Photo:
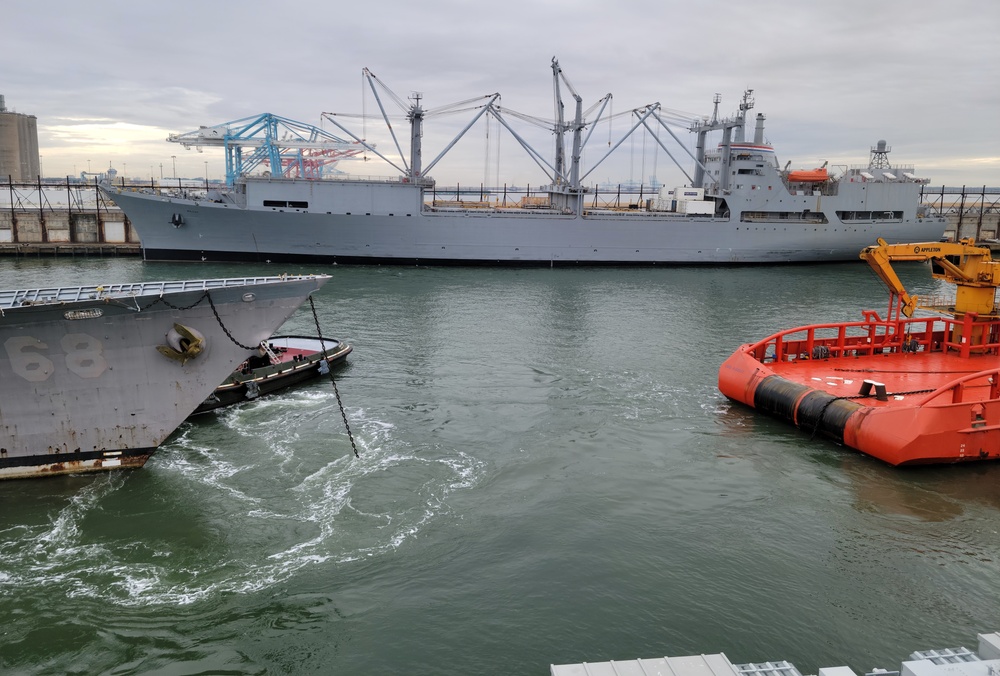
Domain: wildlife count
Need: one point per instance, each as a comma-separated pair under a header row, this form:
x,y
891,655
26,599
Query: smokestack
x,y
3,106
758,132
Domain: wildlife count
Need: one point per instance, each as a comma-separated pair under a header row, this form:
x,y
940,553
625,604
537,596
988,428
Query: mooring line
x,y
336,391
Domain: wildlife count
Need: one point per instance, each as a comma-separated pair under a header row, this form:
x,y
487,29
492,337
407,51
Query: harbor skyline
x,y
831,85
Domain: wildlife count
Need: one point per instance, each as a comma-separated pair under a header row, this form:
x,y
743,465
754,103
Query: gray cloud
x,y
832,78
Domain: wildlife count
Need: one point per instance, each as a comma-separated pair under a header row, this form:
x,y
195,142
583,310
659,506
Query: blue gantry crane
x,y
289,148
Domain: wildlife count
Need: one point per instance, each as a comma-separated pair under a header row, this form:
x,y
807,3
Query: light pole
x,y
88,166
173,158
41,165
161,172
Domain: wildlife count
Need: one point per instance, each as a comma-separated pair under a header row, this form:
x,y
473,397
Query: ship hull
x,y
84,386
388,224
937,403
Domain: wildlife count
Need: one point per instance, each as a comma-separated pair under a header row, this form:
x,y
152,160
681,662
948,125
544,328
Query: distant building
x,y
18,145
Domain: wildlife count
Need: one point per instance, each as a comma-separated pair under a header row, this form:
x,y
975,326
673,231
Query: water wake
x,y
250,514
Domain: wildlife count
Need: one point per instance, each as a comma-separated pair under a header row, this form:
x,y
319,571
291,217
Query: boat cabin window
x,y
870,215
292,204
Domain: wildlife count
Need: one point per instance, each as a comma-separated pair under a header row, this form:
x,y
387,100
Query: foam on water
x,y
289,515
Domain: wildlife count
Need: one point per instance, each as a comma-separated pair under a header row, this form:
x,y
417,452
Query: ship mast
x,y
560,130
416,117
727,126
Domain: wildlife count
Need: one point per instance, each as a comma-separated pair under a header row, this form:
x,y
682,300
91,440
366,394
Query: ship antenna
x,y
880,156
747,103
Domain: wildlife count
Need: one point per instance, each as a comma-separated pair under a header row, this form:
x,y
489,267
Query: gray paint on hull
x,y
501,238
82,394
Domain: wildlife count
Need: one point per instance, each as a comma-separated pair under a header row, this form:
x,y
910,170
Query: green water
x,y
547,475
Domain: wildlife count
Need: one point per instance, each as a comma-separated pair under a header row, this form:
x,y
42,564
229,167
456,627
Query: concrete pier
x,y
61,232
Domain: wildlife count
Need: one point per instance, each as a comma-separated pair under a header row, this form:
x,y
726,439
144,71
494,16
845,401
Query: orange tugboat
x,y
904,389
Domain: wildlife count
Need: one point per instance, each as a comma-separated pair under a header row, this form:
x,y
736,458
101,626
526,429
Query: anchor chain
x,y
219,319
215,312
333,380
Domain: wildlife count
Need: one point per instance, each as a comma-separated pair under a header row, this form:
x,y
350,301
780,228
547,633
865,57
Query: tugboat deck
x,y
905,376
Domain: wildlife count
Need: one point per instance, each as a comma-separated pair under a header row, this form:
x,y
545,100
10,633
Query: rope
x,y
333,380
819,418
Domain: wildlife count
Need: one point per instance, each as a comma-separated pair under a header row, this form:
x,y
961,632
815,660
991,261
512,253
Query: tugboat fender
x,y
253,389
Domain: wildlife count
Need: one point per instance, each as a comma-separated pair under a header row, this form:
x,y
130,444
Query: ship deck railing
x,y
958,338
874,335
71,294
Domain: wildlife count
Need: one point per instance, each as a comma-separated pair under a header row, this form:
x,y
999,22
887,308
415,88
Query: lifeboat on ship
x,y
904,389
808,175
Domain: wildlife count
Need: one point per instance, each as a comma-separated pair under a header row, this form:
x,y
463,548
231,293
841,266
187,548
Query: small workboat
x,y
905,389
281,362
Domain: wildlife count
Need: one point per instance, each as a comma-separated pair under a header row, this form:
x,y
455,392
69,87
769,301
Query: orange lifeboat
x,y
809,175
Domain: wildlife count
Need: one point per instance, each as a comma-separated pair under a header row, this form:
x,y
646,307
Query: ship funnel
x,y
758,132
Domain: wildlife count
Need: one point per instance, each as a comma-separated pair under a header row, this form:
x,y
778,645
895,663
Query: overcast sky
x,y
109,80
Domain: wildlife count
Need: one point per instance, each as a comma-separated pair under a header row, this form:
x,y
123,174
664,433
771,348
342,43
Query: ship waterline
x,y
410,233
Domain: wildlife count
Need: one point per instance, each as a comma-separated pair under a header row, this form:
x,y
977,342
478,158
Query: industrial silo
x,y
18,145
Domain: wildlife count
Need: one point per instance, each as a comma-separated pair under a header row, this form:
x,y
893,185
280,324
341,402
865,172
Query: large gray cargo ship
x,y
96,377
740,206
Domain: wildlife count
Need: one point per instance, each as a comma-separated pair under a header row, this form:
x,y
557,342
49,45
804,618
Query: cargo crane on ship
x,y
288,148
741,210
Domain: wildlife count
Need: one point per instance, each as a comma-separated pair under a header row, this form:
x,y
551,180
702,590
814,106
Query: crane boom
x,y
969,267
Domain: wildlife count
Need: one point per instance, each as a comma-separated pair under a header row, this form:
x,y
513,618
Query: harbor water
x,y
547,474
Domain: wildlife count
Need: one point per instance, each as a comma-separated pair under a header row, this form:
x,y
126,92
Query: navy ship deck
x,y
73,294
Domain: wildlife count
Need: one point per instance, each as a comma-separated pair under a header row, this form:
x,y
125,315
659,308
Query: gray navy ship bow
x,y
96,377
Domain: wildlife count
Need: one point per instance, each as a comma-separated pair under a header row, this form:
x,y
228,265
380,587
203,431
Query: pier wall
x,y
978,226
65,232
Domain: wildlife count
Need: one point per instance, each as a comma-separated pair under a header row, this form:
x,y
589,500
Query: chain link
x,y
219,319
333,380
319,333
198,302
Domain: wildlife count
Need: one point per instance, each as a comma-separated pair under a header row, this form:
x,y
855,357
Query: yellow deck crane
x,y
970,268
